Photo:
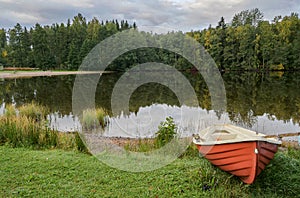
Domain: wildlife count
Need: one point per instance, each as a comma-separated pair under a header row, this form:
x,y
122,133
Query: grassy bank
x,y
57,169
27,126
57,173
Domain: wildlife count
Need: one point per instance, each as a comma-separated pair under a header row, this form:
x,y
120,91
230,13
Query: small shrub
x,y
167,130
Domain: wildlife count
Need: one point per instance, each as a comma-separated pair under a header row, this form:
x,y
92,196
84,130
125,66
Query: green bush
x,y
167,131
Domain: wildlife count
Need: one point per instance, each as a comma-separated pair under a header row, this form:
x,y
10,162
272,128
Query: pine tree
x,y
3,45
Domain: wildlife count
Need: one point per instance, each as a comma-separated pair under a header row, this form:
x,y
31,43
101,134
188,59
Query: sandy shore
x,y
28,74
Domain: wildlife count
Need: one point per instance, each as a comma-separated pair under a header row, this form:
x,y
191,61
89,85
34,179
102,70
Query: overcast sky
x,y
171,14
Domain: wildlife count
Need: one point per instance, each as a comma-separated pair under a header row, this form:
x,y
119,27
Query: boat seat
x,y
220,135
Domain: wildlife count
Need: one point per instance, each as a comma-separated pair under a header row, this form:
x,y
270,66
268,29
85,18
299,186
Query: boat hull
x,y
243,159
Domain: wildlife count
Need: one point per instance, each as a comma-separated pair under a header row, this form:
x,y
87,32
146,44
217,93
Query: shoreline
x,y
122,141
29,74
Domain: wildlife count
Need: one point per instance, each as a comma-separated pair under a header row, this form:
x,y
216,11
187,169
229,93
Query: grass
x,y
282,177
51,172
57,173
140,145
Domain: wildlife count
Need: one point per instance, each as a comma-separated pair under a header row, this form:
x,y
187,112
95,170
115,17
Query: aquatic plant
x,y
29,128
94,119
24,131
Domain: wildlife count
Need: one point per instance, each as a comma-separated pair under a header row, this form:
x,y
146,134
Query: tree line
x,y
247,42
59,46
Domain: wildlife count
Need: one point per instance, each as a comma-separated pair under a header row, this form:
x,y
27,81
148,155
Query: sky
x,y
182,15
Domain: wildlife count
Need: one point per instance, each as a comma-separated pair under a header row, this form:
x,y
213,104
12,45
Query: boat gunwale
x,y
244,135
212,143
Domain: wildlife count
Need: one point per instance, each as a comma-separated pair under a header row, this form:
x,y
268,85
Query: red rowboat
x,y
236,150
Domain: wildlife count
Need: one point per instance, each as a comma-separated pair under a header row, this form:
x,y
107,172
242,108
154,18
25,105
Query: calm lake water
x,y
265,102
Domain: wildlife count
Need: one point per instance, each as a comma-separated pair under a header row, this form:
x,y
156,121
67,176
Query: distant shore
x,y
28,74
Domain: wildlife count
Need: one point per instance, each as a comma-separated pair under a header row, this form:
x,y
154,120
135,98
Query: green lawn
x,y
58,173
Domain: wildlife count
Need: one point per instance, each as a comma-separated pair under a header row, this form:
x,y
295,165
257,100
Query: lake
x,y
265,102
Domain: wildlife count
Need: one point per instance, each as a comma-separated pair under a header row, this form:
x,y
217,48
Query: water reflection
x,y
189,120
145,122
64,123
264,102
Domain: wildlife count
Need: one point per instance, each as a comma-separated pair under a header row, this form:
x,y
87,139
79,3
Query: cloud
x,y
24,17
177,14
73,3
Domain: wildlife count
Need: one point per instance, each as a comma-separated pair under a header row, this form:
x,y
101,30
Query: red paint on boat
x,y
243,159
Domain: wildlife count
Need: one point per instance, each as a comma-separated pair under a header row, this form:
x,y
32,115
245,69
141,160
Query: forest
x,y
247,42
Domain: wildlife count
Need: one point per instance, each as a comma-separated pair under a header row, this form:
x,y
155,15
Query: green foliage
x,y
3,45
166,132
250,43
247,43
60,46
247,17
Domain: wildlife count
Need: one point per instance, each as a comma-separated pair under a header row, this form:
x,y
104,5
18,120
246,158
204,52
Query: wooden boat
x,y
241,152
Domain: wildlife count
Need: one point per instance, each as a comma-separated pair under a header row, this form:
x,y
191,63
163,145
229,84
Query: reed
x,y
94,119
34,111
10,111
22,131
29,128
